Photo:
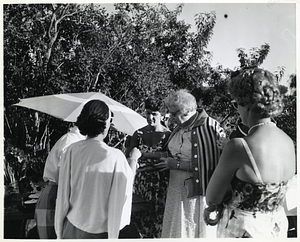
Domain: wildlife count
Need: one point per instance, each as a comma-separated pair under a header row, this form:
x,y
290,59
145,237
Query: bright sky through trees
x,y
247,25
250,25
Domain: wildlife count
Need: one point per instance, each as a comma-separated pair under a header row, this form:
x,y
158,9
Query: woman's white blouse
x,y
95,188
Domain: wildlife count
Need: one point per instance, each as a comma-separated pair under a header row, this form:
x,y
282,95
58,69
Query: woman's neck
x,y
100,137
258,121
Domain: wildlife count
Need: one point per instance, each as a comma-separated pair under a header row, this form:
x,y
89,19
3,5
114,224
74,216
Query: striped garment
x,y
194,142
205,153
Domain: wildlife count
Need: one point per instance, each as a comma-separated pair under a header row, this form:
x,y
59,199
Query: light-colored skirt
x,y
237,223
183,217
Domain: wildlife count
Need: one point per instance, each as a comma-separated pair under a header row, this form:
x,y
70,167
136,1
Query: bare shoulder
x,y
233,152
284,136
234,144
276,146
272,138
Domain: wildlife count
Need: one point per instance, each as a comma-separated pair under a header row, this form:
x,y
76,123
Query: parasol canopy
x,y
68,106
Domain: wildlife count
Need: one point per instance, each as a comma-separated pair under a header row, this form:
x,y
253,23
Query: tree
x,y
292,83
138,51
287,120
255,57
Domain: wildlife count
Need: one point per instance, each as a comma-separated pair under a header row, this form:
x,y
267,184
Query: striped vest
x,y
205,132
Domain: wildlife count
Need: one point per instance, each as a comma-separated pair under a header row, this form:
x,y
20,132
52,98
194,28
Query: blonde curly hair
x,y
258,90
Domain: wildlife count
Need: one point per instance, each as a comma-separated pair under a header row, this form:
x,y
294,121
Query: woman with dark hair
x,y
95,181
149,183
258,166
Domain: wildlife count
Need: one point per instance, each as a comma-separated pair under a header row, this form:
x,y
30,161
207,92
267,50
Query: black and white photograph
x,y
149,120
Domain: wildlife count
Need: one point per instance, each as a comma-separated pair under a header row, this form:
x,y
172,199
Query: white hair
x,y
184,100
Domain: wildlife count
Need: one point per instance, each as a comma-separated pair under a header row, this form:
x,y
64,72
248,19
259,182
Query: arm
x,y
228,164
116,202
51,169
171,163
120,198
133,158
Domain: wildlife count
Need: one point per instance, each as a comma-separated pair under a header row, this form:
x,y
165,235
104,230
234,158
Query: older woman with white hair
x,y
195,154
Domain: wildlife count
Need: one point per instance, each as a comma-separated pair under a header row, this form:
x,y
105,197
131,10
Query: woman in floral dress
x,y
258,166
150,184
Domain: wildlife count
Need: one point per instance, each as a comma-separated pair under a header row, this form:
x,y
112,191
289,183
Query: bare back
x,y
274,155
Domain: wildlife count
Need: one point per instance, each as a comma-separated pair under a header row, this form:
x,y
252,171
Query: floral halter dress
x,y
255,210
152,186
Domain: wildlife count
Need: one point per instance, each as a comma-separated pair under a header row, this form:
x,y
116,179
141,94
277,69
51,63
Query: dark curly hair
x,y
153,103
92,119
258,90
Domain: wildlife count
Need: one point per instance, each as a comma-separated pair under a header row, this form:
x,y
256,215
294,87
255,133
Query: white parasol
x,y
68,106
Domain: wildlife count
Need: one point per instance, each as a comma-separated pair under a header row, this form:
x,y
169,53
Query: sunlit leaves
x,y
255,57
